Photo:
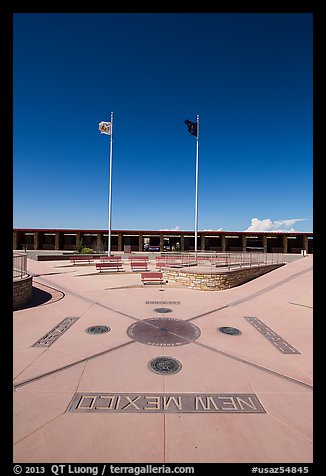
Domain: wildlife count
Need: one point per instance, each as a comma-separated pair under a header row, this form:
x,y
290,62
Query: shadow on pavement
x,y
41,297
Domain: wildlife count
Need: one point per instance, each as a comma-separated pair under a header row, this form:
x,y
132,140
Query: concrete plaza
x,y
92,398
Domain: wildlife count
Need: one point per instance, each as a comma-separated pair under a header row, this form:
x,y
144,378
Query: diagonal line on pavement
x,y
257,366
60,369
252,296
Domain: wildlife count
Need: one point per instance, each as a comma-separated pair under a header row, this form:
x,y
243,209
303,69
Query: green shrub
x,y
86,251
78,248
82,249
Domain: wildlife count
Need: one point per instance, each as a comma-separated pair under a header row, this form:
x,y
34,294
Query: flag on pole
x,y
192,127
105,128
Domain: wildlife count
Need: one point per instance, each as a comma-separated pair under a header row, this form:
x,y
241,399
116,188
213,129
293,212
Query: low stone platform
x,y
216,280
22,291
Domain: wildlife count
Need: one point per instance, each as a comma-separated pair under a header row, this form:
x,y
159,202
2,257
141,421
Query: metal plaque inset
x,y
165,365
232,331
163,310
165,403
98,329
163,331
48,339
272,337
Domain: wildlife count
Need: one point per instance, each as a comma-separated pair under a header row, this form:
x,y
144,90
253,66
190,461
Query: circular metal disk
x,y
98,329
165,365
162,310
163,331
232,331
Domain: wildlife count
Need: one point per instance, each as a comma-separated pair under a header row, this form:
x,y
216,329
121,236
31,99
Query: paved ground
x,y
94,398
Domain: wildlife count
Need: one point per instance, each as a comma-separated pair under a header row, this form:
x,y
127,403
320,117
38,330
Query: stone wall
x,y
22,291
223,279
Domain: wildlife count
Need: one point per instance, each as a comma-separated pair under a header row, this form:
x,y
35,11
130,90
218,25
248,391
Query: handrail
x,y
19,266
213,260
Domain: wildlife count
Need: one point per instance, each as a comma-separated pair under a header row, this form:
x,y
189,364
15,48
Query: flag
x,y
105,128
192,127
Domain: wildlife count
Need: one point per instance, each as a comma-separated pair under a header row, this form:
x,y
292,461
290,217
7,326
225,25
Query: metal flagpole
x,y
196,200
110,188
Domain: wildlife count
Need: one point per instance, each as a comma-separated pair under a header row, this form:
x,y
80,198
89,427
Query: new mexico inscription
x,y
164,403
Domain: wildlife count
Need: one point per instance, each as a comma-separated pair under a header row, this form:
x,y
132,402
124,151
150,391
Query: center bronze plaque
x,y
163,331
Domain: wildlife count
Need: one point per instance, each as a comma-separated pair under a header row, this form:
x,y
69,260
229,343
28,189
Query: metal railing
x,y
215,261
19,266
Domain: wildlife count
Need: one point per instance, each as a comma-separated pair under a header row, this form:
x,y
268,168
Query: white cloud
x,y
176,228
270,225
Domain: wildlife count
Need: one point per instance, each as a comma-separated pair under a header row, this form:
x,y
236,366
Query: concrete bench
x,y
139,265
138,258
110,258
109,265
152,278
161,263
80,259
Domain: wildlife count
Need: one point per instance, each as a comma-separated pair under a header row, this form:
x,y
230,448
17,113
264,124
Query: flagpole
x,y
196,199
110,188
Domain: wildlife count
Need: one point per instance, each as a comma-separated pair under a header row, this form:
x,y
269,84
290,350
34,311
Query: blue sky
x,y
248,76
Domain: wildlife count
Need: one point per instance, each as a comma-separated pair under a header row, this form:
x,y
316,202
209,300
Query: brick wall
x,y
22,291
